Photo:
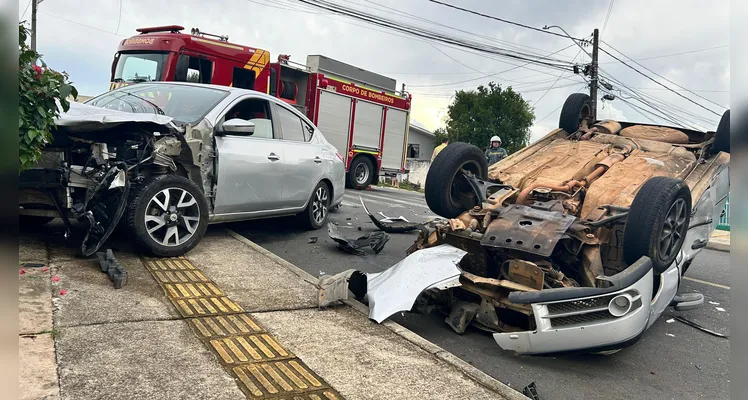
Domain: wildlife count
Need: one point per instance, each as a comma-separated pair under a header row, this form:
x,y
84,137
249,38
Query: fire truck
x,y
359,112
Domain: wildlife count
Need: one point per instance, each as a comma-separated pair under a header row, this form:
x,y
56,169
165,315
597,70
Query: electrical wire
x,y
656,81
489,75
649,99
501,19
119,18
435,36
471,34
83,25
672,54
26,9
607,16
554,83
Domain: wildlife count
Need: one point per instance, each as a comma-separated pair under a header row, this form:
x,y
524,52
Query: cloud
x,y
80,40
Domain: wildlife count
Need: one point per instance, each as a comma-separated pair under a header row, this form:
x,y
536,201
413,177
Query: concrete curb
x,y
718,245
468,370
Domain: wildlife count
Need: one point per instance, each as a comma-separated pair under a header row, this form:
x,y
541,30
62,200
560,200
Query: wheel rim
x,y
362,173
673,230
584,113
460,188
319,205
172,217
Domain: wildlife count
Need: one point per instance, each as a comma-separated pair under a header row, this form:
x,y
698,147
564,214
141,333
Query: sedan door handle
x,y
317,160
273,157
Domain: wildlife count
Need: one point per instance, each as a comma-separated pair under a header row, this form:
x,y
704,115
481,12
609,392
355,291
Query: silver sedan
x,y
181,156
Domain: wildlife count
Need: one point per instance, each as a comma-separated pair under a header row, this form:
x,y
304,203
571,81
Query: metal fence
x,y
724,219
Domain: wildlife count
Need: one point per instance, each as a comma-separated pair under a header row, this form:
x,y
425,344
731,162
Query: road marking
x,y
383,200
260,365
707,283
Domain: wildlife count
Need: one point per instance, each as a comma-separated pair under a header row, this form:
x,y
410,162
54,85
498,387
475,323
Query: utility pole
x,y
593,74
34,3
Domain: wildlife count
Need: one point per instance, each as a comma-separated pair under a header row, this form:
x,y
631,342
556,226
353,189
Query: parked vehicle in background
x,y
169,158
360,112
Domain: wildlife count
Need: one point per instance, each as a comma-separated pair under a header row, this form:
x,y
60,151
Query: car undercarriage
x,y
574,243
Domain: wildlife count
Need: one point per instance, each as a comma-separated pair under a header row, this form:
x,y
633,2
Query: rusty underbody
x,y
552,215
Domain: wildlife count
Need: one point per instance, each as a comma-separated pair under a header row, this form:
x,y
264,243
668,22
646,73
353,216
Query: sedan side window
x,y
253,110
291,124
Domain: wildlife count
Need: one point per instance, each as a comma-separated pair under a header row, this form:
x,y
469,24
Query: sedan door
x,y
303,158
249,166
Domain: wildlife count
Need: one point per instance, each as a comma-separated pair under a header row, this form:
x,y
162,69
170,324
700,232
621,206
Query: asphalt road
x,y
671,361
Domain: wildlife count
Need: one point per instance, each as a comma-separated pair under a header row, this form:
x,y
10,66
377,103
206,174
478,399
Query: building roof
x,y
414,123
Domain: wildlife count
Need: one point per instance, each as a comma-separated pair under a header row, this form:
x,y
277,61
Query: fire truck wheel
x,y
448,193
360,173
168,215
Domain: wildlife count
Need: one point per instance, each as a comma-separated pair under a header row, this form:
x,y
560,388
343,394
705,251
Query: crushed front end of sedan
x,y
105,166
576,243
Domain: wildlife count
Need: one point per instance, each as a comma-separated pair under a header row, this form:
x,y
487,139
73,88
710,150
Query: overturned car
x,y
575,243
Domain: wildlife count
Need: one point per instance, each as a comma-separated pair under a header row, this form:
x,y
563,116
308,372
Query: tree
x,y
40,91
476,115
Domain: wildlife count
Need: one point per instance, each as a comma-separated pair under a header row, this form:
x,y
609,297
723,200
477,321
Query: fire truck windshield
x,y
139,67
187,104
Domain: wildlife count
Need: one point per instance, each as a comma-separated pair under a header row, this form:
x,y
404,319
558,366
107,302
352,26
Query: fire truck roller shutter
x,y
334,120
367,125
289,90
394,139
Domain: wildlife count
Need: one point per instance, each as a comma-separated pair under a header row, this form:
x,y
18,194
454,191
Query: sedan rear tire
x,y
315,215
168,215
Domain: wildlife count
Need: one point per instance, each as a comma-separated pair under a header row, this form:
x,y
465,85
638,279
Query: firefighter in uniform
x,y
495,152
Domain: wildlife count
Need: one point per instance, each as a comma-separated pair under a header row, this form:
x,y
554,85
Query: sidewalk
x,y
255,333
720,240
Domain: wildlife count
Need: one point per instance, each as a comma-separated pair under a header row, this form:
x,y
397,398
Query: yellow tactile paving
x,y
261,366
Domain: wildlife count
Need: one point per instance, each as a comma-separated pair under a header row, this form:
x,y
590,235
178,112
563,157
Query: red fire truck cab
x,y
358,111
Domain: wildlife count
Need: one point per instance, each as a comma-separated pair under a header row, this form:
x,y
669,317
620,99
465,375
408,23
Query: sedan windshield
x,y
186,104
139,67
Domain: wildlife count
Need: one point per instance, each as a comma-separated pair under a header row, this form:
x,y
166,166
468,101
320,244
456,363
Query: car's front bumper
x,y
582,319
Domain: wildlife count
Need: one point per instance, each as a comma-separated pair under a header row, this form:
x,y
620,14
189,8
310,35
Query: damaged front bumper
x,y
583,319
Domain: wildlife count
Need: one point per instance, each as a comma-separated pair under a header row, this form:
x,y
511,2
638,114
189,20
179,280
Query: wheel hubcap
x,y
319,205
172,217
673,230
362,174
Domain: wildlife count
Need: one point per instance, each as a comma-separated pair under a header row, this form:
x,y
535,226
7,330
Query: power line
x,y
659,83
501,19
488,75
671,55
605,24
554,83
557,108
435,36
119,17
83,25
26,9
472,34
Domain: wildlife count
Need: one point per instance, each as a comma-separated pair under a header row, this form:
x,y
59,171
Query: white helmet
x,y
496,139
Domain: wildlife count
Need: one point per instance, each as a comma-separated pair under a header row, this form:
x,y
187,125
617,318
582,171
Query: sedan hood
x,y
87,118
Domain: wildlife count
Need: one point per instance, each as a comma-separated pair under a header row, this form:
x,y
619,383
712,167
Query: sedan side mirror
x,y
237,126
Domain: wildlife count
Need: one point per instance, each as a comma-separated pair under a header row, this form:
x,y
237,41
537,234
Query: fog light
x,y
620,305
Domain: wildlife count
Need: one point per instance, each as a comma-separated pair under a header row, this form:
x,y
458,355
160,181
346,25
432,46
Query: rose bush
x,y
40,91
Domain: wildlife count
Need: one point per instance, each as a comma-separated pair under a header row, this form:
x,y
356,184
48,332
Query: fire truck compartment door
x,y
394,139
367,125
334,120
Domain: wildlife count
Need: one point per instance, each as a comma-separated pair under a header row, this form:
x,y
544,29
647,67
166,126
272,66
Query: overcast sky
x,y
81,37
